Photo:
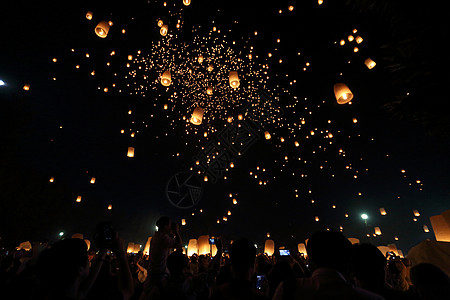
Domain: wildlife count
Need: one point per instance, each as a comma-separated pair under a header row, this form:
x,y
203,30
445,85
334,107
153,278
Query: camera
x,y
212,241
284,252
104,235
259,281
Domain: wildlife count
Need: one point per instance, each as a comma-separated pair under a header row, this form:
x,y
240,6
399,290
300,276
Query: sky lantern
x,y
160,23
166,78
52,179
197,116
377,231
78,199
425,228
200,59
192,247
382,211
147,246
441,226
136,248
130,152
26,87
102,29
233,77
353,240
351,38
210,67
342,93
370,64
203,245
130,247
164,30
187,2
88,244
92,180
209,90
89,15
109,206
302,249
183,222
359,39
269,247
416,213
267,135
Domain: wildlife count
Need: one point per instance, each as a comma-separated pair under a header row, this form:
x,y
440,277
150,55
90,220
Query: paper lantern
x,y
240,117
425,228
416,213
351,38
183,222
192,247
200,58
197,116
377,231
77,236
358,39
441,226
52,179
383,249
109,206
353,241
102,29
25,246
92,180
164,30
88,244
136,248
26,87
209,90
269,247
186,2
393,248
302,249
166,78
370,64
147,246
78,199
210,68
267,135
213,250
130,152
203,245
342,93
382,211
130,247
233,77
89,15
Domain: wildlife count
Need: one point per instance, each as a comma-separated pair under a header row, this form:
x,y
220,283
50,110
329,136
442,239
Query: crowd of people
x,y
332,269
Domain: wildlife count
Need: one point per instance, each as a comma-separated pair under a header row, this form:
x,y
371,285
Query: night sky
x,y
67,127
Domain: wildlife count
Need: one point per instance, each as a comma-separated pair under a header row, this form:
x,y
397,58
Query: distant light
x,y
2,82
364,216
61,233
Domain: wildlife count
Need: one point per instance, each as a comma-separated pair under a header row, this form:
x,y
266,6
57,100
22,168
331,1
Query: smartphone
x,y
211,241
259,281
284,252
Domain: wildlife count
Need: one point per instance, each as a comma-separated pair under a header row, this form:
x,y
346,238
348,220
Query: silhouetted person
x,y
430,282
242,255
368,270
329,256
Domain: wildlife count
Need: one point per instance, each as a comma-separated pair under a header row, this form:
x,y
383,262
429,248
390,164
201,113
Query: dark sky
x,y
68,129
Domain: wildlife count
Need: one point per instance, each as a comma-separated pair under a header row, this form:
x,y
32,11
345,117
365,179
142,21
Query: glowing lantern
x,y
209,90
102,29
230,119
382,211
164,30
355,120
192,247
210,68
240,117
342,42
416,213
269,247
109,206
166,78
130,247
78,199
342,93
160,23
197,116
377,231
25,246
229,213
183,222
425,228
370,64
52,179
234,201
393,248
200,59
320,2
302,249
353,241
88,244
267,135
136,248
77,236
89,15
359,39
233,77
26,87
130,152
147,246
130,57
316,219
350,38
213,250
186,2
441,226
203,245
296,144
92,180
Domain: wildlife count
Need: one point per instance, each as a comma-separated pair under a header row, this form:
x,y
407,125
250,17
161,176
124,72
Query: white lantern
x,y
192,247
269,247
166,78
203,245
342,93
197,116
233,77
102,29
